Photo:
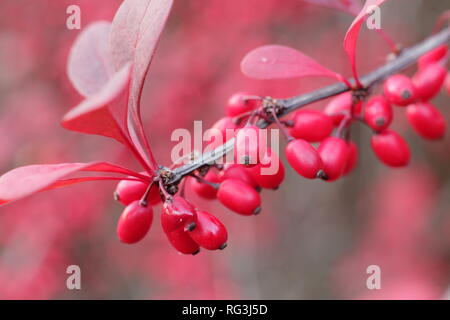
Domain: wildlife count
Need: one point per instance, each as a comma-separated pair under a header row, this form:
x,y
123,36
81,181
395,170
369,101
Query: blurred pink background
x,y
314,240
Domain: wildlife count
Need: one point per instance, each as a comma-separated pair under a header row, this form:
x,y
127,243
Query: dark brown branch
x,y
407,58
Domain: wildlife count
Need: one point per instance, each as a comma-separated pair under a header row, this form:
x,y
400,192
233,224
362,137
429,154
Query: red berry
x,y
352,157
128,191
239,104
432,56
399,90
269,173
237,171
334,154
182,242
311,125
390,148
426,120
209,233
239,197
203,189
134,222
429,80
378,113
177,213
302,156
339,106
250,145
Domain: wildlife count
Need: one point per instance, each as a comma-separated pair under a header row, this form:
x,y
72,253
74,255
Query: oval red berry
x,y
134,222
303,158
209,233
426,120
239,197
390,148
311,125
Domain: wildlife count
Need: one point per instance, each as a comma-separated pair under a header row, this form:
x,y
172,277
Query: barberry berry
x,y
390,148
178,213
304,159
334,154
203,189
182,242
209,233
429,80
378,113
239,197
399,90
311,125
240,172
134,222
426,120
435,55
128,191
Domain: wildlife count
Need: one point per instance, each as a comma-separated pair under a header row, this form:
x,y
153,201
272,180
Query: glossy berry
x,y
250,145
203,189
334,154
339,106
134,222
311,125
269,174
378,113
128,191
240,172
239,104
429,80
426,120
209,233
239,197
399,90
352,157
182,241
304,159
390,148
177,213
435,55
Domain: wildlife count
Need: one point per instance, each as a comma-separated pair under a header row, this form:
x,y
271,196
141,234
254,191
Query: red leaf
x,y
278,62
135,32
352,34
89,65
104,113
350,6
24,181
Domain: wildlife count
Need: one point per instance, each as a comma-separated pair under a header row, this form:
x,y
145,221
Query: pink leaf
x,y
278,62
351,37
25,181
104,113
135,32
89,65
350,6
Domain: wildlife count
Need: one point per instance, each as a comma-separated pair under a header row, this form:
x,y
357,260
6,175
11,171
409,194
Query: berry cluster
x,y
319,146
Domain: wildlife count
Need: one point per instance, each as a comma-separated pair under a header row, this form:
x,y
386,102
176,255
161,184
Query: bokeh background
x,y
314,240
